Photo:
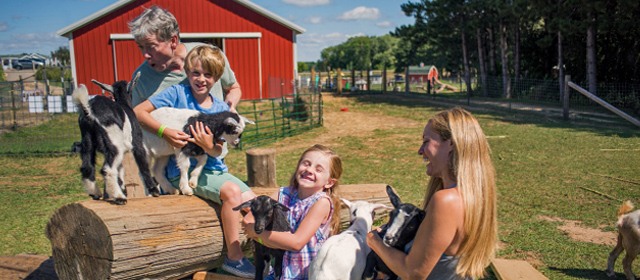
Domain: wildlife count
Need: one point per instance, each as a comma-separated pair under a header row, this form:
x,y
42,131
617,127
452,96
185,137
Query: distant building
x,y
260,45
423,73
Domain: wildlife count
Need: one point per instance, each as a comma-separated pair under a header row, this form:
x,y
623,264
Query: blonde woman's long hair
x,y
335,173
470,164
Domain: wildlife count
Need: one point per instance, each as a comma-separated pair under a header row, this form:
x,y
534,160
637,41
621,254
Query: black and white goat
x,y
270,215
404,221
343,255
110,128
225,125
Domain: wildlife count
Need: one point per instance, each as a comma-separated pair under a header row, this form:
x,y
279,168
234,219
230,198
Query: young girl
x,y
311,199
204,66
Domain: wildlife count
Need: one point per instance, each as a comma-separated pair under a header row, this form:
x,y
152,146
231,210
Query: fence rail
x,y
34,121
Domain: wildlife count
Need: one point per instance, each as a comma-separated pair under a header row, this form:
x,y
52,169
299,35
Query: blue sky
x,y
28,26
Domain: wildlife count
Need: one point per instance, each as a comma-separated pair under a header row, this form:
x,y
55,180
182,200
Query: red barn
x,y
260,45
422,73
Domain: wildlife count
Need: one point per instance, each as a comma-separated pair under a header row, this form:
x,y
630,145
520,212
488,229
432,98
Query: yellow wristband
x,y
161,130
260,241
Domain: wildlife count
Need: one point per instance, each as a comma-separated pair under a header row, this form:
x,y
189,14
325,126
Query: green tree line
x,y
590,40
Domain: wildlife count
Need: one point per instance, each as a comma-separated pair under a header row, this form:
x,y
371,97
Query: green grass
x,y
545,167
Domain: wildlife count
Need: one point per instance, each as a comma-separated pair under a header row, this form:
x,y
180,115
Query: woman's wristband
x,y
161,130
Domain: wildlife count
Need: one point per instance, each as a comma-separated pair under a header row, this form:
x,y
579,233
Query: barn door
x,y
244,57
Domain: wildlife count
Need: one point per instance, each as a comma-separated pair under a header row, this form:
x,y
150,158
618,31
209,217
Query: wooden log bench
x,y
167,237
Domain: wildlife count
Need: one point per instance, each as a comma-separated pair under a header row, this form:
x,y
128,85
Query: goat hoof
x,y
154,192
120,201
95,197
193,185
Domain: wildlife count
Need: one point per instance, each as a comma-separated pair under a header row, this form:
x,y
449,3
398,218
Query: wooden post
x,y
368,78
384,79
353,78
261,167
406,80
132,181
14,125
339,79
565,103
312,80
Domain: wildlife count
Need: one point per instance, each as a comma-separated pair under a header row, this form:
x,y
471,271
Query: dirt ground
x,y
576,231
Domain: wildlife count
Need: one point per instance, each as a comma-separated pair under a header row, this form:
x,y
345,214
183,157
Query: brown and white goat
x,y
628,240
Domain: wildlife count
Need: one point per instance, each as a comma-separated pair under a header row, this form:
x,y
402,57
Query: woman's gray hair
x,y
157,21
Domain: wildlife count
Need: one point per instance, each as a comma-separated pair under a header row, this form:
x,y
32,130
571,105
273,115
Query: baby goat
x,y
270,215
225,125
403,224
112,129
628,240
343,255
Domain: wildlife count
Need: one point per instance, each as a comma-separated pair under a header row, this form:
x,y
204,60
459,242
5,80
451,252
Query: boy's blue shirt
x,y
179,96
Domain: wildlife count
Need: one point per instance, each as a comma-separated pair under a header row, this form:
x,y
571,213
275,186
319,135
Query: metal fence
x,y
37,121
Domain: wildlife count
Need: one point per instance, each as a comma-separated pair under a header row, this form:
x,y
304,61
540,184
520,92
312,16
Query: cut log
x,y
167,237
261,167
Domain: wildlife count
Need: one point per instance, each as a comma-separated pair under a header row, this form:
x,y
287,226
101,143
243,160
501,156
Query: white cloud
x,y
361,12
307,3
384,24
42,43
311,44
3,26
314,20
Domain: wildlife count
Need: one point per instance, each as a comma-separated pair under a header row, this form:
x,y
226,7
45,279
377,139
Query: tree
x,y
62,54
302,66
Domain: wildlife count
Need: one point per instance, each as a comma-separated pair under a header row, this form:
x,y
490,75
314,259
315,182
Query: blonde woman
x,y
457,238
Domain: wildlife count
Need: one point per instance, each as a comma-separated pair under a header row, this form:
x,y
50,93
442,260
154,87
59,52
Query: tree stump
x,y
166,237
261,167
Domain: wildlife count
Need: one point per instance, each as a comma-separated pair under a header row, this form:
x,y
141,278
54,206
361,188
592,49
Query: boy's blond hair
x,y
211,58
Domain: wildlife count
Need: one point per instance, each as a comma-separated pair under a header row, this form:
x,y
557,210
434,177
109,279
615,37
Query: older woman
x,y
457,238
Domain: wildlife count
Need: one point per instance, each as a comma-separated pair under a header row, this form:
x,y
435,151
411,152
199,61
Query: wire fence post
x,y
565,103
14,127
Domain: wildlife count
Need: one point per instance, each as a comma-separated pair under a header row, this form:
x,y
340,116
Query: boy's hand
x,y
175,137
201,136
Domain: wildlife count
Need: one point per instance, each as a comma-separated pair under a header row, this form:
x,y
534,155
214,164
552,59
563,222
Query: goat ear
x,y
231,121
106,87
395,200
381,206
133,82
245,204
346,202
246,120
282,207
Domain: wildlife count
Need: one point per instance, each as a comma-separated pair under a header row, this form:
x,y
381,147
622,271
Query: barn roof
x,y
417,70
97,15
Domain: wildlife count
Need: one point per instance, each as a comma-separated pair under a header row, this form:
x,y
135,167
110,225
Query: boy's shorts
x,y
210,182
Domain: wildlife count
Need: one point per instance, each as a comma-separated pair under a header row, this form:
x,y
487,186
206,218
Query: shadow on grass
x,y
514,116
587,273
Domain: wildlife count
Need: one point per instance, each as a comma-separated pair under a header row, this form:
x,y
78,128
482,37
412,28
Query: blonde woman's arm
x,y
435,235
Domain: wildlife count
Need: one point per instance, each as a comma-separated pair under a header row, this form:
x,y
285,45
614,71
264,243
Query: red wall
x,y
94,54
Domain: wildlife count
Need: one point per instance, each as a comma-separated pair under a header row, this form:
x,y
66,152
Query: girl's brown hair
x,y
335,173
